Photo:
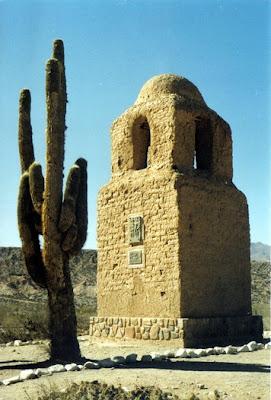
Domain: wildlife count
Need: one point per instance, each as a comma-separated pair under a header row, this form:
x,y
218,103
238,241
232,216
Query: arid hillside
x,y
16,284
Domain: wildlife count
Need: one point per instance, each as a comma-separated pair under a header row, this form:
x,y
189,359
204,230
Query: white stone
x,y
9,344
80,367
191,353
27,374
267,345
146,358
181,353
82,338
210,351
260,346
200,352
17,343
131,358
219,350
71,367
39,372
119,359
243,349
230,349
91,365
156,356
56,368
9,381
106,363
169,354
252,346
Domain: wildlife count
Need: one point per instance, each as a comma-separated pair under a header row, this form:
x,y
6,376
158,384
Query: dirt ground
x,y
244,376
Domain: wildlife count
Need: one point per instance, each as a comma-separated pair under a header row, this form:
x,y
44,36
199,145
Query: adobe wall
x,y
173,231
153,289
214,249
160,117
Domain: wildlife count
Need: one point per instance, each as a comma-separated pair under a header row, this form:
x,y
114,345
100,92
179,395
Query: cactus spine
x,y
42,209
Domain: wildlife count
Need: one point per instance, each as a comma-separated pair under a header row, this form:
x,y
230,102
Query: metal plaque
x,y
135,257
135,229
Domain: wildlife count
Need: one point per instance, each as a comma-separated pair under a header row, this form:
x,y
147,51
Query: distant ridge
x,y
15,283
260,252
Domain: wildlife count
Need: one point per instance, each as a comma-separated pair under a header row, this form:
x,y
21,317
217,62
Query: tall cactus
x,y
43,210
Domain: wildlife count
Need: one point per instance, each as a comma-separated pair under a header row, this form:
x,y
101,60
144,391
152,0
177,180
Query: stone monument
x,y
173,229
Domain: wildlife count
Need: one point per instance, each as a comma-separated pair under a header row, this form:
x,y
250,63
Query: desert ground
x,y
243,376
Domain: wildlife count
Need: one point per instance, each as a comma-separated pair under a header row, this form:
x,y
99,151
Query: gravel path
x,y
244,376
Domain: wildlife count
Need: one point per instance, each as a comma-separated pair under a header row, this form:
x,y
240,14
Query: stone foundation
x,y
187,332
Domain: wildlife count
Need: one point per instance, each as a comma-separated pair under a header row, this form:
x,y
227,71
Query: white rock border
x,y
119,361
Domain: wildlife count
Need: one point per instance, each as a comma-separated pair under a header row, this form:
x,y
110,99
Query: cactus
x,y
43,210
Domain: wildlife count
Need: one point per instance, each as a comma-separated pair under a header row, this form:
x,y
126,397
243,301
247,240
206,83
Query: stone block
x,y
146,335
138,335
120,333
166,334
101,325
104,333
174,335
154,332
130,332
114,329
161,335
160,322
134,321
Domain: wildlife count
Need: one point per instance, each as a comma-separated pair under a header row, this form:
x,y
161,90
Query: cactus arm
x,y
68,217
29,235
58,54
26,149
54,163
81,209
69,238
36,184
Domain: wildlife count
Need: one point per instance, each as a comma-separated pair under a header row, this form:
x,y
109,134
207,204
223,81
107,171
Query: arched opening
x,y
203,155
141,139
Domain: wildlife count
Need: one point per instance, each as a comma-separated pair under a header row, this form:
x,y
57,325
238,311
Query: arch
x,y
141,140
203,154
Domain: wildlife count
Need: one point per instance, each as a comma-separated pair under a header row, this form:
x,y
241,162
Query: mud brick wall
x,y
172,168
154,288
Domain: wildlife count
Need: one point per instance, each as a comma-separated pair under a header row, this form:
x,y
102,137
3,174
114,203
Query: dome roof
x,y
166,84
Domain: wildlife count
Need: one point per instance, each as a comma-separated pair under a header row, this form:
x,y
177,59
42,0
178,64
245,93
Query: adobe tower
x,y
173,230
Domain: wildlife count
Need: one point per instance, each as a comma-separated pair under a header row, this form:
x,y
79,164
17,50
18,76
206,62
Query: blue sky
x,y
112,47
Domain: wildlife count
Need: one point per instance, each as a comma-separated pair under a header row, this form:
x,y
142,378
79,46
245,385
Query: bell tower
x,y
173,230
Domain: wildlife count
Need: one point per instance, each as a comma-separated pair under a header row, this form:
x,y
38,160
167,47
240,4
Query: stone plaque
x,y
135,258
135,229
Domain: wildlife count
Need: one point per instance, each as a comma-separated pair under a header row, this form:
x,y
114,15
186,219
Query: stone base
x,y
186,332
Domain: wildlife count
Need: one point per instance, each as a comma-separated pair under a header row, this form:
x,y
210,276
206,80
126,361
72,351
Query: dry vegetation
x,y
100,391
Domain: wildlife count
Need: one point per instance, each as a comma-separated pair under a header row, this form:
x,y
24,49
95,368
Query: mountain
x,y
260,252
15,283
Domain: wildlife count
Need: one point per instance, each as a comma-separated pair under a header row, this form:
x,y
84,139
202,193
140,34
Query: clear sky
x,y
112,47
